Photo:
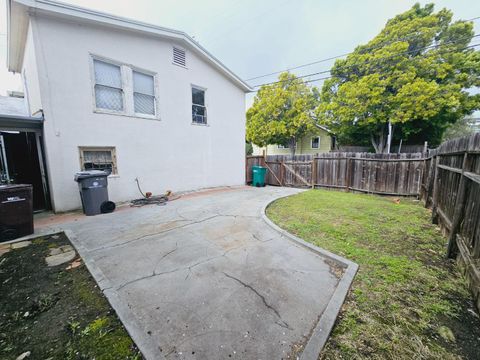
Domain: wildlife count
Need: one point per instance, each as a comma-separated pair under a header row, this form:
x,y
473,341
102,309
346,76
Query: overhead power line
x,y
329,77
368,61
342,55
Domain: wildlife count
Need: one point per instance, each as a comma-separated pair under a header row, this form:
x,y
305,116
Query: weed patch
x,y
55,313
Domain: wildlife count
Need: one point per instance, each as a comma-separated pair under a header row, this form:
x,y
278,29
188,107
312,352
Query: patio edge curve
x,y
325,324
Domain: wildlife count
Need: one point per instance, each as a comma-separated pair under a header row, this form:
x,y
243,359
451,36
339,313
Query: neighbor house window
x,y
316,142
143,93
108,86
98,158
199,110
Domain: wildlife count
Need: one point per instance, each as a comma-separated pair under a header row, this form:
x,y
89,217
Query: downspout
x,y
3,157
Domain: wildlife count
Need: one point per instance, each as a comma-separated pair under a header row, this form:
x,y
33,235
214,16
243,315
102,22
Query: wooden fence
x,y
388,174
447,179
451,187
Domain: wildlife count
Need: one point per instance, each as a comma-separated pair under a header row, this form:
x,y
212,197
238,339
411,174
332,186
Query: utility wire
x,y
345,54
329,77
368,61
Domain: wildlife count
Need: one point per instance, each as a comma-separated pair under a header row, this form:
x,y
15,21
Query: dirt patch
x,y
55,313
465,328
336,269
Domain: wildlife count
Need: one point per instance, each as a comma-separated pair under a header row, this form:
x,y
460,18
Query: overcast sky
x,y
254,37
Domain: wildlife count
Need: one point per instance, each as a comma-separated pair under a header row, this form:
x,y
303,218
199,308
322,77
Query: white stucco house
x,y
141,100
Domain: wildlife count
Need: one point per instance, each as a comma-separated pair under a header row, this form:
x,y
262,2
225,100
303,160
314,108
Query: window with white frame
x,y
143,93
199,109
98,158
108,86
316,142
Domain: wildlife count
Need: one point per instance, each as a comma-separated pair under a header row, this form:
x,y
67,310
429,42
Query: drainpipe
x,y
3,157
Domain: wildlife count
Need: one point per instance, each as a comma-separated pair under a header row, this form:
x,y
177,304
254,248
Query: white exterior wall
x,y
169,153
30,75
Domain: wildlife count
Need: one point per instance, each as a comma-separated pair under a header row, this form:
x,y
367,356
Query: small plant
x,y
45,302
73,326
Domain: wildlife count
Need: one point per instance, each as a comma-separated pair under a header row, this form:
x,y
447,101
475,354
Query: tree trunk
x,y
379,141
293,146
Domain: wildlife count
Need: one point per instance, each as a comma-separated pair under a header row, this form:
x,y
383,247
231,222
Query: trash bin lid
x,y
15,186
90,174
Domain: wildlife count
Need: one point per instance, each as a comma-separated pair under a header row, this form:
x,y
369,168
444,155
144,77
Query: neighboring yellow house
x,y
320,141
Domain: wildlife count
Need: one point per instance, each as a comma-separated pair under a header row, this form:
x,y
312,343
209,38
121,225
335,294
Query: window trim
x,y
311,142
192,86
126,72
155,93
112,149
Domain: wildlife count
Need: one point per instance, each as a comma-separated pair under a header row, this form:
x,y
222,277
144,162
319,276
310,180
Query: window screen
x,y
108,86
199,110
143,93
315,142
98,159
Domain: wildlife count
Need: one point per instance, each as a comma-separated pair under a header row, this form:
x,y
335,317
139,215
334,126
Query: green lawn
x,y
407,301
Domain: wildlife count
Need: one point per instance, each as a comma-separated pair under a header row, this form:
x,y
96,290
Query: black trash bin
x,y
16,211
93,186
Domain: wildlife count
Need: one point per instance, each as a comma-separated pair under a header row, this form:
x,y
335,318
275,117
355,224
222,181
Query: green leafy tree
x,y
414,76
463,127
248,148
282,112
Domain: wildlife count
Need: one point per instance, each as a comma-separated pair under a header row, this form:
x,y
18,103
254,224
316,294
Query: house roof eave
x,y
16,34
16,46
324,128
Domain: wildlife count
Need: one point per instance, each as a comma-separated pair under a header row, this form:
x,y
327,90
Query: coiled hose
x,y
148,200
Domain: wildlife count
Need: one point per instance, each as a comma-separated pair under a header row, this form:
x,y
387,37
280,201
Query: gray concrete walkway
x,y
206,277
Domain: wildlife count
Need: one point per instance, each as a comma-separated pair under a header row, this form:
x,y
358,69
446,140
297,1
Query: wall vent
x,y
179,57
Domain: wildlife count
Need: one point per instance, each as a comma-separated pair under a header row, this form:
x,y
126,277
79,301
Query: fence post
x,y
458,211
282,173
347,174
314,172
435,161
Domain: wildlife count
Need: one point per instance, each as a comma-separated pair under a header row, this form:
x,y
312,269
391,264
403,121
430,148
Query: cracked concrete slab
x,y
208,277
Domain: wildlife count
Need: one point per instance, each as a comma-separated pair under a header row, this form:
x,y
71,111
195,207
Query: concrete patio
x,y
209,277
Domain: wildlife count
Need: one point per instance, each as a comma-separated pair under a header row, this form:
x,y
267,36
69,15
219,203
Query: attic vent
x,y
179,56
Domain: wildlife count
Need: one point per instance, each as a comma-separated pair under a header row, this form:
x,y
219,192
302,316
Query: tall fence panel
x,y
451,187
252,161
393,174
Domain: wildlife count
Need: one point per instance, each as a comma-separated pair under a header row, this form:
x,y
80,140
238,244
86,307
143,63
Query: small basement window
x,y
108,86
98,158
179,57
199,110
316,142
